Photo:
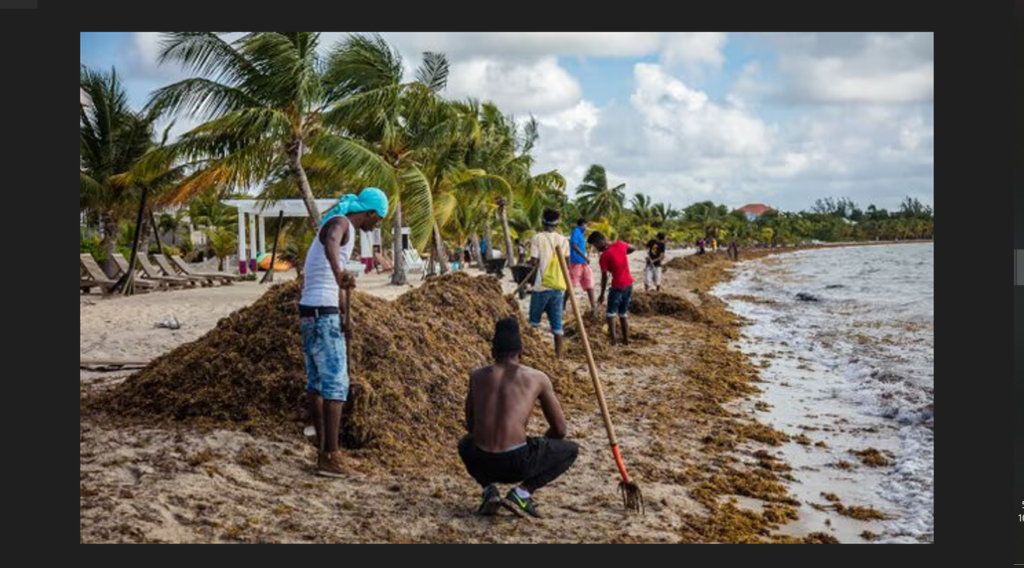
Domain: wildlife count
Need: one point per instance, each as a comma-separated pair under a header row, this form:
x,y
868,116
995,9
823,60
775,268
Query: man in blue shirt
x,y
580,274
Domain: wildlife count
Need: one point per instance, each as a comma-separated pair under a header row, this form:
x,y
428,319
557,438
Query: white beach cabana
x,y
257,210
254,209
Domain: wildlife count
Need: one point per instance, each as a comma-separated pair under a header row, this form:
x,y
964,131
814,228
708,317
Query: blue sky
x,y
734,117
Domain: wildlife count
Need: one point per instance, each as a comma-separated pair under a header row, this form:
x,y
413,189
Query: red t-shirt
x,y
614,260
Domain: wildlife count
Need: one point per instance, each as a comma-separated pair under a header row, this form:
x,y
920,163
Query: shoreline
x,y
843,456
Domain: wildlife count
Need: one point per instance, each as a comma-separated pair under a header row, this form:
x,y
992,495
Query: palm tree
x,y
222,242
494,153
596,198
403,125
707,215
206,210
263,97
640,205
113,139
663,213
170,223
513,194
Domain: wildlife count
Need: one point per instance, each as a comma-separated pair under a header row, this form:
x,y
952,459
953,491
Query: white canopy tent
x,y
258,210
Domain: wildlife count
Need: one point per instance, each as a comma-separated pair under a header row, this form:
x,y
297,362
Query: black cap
x,y
506,336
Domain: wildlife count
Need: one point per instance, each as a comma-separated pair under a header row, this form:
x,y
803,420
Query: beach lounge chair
x,y
184,268
139,282
155,278
95,274
160,272
413,262
92,276
355,268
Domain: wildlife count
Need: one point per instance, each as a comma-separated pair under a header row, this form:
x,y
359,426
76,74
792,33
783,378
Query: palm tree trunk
x,y
299,173
109,244
398,275
156,231
510,260
487,237
476,251
440,252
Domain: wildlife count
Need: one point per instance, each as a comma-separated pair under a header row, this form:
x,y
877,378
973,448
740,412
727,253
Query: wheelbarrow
x,y
495,266
520,274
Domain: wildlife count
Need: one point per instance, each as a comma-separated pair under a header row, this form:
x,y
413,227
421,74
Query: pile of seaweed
x,y
695,261
664,303
410,364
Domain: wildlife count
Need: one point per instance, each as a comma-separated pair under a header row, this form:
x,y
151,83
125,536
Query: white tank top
x,y
320,288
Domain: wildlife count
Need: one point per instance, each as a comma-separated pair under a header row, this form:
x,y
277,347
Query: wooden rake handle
x,y
590,361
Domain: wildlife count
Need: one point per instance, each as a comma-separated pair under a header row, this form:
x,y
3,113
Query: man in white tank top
x,y
322,316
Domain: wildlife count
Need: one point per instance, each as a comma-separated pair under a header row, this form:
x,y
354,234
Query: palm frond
x,y
434,71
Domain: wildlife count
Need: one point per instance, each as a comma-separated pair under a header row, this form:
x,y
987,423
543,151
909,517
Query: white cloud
x,y
857,68
677,144
681,119
749,86
583,117
520,70
511,45
692,49
519,87
143,61
147,47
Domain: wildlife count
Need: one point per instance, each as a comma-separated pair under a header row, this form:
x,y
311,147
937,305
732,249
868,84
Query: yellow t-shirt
x,y
542,247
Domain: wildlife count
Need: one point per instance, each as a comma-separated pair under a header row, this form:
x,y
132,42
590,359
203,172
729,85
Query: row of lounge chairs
x,y
166,273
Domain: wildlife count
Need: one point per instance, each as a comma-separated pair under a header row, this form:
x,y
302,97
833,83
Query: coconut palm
x,y
514,196
262,97
663,213
403,125
708,215
222,242
171,223
113,139
596,198
640,205
206,210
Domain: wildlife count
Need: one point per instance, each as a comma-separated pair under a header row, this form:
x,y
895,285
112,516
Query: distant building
x,y
754,210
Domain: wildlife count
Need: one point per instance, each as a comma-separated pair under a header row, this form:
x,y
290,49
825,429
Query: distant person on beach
x,y
580,275
322,317
655,255
734,250
614,260
496,449
549,284
700,245
381,260
453,259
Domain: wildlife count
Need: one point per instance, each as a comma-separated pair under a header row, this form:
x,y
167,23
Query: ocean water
x,y
847,337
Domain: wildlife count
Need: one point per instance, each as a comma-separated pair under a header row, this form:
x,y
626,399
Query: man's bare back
x,y
500,400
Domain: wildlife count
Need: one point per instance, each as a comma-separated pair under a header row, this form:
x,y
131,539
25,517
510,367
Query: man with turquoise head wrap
x,y
322,316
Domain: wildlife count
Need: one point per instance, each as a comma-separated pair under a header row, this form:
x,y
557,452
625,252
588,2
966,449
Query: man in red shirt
x,y
614,260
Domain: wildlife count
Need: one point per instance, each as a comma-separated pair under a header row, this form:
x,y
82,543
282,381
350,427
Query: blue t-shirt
x,y
577,240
